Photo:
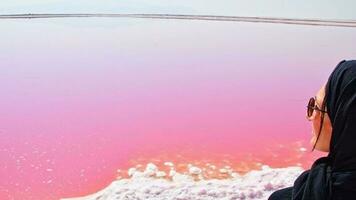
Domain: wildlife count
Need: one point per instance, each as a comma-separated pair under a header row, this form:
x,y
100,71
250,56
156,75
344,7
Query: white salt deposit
x,y
149,185
303,149
131,171
194,170
223,171
160,174
169,164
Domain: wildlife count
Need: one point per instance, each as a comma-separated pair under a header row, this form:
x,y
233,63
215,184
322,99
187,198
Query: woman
x,y
333,115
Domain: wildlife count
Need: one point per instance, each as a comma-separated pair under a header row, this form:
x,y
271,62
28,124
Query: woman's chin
x,y
318,146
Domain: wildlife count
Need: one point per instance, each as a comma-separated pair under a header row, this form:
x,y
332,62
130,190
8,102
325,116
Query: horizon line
x,y
278,20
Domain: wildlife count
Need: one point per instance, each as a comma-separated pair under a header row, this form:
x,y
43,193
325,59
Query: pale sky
x,y
324,9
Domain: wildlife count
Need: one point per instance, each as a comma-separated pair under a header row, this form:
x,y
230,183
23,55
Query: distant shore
x,y
314,22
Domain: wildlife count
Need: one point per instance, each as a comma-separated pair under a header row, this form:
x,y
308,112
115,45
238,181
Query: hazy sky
x,y
326,9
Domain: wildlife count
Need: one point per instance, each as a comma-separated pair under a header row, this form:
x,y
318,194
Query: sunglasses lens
x,y
311,105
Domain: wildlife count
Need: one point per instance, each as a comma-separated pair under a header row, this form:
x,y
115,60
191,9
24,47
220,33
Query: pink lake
x,y
82,98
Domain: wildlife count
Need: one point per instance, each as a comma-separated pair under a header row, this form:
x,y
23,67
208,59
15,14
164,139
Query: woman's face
x,y
323,142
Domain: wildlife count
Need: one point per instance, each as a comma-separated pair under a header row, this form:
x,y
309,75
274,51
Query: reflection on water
x,y
82,98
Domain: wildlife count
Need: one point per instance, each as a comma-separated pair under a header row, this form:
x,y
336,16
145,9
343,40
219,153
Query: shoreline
x,y
154,184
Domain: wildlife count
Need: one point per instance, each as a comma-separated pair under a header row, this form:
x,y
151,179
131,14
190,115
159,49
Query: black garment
x,y
283,194
333,177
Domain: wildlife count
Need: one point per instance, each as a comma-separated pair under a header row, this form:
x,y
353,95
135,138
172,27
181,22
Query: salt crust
x,y
152,184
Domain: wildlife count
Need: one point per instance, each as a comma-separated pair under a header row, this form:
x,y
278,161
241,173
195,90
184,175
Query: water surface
x,y
81,98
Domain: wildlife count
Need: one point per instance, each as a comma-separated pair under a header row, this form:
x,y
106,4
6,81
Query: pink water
x,y
81,98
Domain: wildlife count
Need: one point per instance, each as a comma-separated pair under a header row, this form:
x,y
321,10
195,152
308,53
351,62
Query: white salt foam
x,y
149,185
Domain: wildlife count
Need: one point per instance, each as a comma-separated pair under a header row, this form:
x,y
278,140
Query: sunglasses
x,y
312,106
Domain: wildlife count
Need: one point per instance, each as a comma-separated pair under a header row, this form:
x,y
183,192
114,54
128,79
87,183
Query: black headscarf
x,y
334,176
